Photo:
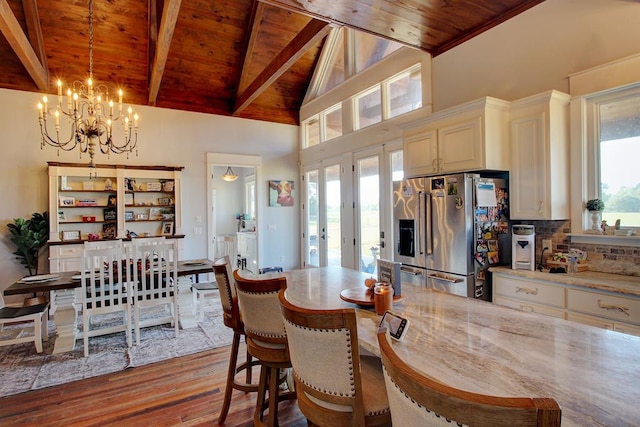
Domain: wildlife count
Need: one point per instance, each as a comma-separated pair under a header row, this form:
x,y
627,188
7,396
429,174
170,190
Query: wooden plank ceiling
x,y
245,58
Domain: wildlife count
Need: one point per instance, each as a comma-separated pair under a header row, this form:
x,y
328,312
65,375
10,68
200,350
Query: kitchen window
x,y
613,150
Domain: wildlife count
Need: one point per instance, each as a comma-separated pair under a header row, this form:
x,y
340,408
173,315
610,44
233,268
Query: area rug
x,y
22,369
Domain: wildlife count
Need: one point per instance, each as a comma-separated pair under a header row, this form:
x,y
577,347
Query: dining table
x,y
63,289
474,345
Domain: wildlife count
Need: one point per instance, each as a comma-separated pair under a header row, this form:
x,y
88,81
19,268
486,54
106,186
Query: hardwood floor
x,y
182,391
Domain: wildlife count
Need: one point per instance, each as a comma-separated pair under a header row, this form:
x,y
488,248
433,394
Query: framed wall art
x,y
281,193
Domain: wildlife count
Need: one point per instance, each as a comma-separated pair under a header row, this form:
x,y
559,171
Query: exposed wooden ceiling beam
x,y
165,35
34,30
313,32
254,25
19,42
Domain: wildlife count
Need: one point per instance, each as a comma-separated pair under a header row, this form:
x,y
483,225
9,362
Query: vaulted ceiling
x,y
245,58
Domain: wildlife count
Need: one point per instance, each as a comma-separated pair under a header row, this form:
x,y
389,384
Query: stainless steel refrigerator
x,y
449,229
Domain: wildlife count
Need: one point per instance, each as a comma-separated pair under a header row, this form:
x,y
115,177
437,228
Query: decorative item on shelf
x,y
153,186
70,235
130,184
167,186
87,202
129,199
87,185
155,214
108,184
229,175
109,231
93,236
131,234
164,201
167,228
113,200
88,218
142,217
129,216
168,216
62,216
110,214
91,116
595,207
67,201
63,183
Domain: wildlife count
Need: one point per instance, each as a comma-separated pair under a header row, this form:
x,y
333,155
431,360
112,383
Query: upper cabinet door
x,y
461,146
421,154
469,137
540,157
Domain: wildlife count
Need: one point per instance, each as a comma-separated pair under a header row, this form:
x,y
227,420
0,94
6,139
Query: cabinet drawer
x,y
528,307
529,290
610,325
606,306
66,251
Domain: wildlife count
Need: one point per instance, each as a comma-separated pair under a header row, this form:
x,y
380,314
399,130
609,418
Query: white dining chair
x,y
155,274
106,287
37,314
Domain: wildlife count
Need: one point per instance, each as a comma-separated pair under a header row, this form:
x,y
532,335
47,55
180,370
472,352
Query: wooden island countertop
x,y
593,374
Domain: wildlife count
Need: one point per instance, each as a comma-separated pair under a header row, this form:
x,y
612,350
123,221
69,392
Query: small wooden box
x,y
581,267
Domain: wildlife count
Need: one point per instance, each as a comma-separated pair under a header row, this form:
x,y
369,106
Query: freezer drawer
x,y
452,283
413,276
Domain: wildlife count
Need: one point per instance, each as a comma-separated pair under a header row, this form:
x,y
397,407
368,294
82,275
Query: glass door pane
x,y
333,211
368,182
312,218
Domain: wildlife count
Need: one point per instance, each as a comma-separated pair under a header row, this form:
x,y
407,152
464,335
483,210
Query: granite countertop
x,y
482,347
619,283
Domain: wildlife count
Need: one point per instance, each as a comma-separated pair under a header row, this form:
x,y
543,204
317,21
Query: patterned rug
x,y
22,369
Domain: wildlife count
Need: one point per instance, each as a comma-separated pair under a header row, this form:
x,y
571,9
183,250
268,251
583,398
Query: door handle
x,y
444,279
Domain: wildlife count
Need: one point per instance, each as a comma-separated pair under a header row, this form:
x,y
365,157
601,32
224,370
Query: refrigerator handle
x,y
420,224
427,237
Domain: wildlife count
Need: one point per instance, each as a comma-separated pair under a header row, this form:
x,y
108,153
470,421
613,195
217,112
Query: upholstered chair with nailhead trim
x,y
336,386
266,340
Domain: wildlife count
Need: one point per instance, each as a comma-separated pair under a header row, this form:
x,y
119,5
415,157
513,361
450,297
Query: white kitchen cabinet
x,y
529,307
599,322
539,180
606,306
469,137
248,251
602,309
529,295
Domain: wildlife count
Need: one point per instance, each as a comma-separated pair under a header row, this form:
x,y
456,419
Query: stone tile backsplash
x,y
603,258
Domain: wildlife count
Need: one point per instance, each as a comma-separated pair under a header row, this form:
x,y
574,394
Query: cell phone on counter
x,y
396,324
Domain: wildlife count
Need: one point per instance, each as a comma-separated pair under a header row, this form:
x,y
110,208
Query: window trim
x,y
356,106
585,163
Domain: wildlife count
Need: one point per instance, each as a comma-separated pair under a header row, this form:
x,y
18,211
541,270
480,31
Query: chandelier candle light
x,y
90,113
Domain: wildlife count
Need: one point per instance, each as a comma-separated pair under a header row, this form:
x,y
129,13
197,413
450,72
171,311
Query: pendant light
x,y
229,176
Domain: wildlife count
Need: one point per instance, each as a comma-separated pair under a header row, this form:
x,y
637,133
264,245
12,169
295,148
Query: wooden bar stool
x,y
266,340
231,318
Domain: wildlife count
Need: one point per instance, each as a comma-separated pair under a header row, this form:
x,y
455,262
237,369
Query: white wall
x,y
537,50
167,137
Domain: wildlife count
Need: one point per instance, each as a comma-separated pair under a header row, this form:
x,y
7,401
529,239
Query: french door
x,y
375,169
322,212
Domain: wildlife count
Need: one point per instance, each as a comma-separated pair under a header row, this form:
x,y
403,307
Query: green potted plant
x,y
29,236
595,205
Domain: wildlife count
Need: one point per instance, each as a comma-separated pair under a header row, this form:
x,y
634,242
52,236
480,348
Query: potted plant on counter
x,y
29,236
595,207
